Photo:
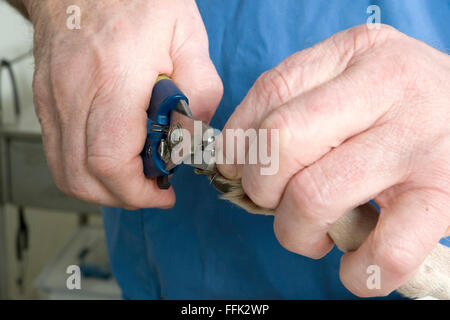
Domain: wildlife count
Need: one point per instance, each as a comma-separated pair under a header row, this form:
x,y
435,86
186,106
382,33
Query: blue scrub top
x,y
205,248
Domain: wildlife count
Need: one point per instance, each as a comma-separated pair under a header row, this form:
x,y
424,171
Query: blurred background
x,y
42,231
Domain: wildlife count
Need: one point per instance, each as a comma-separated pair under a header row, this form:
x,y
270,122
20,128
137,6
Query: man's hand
x,y
363,115
92,87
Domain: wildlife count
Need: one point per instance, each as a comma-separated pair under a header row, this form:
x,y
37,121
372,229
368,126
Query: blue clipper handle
x,y
165,98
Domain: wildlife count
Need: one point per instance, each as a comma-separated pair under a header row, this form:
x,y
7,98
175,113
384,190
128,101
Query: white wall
x,y
16,38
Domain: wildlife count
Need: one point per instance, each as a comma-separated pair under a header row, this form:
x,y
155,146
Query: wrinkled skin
x,y
363,115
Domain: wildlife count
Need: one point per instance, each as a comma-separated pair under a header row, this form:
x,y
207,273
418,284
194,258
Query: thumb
x,y
195,75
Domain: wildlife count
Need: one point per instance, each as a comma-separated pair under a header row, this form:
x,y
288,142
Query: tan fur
x,y
349,232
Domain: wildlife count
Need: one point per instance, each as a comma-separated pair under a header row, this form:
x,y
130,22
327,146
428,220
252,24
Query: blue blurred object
x,y
90,270
445,241
94,262
205,248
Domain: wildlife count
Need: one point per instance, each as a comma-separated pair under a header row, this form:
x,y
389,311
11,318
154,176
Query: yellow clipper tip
x,y
161,77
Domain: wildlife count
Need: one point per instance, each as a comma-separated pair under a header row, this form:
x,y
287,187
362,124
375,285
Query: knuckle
x,y
57,174
280,121
296,72
108,69
361,38
314,251
274,121
76,190
272,87
286,238
208,79
61,185
310,196
291,241
131,200
286,123
103,166
253,187
388,30
75,187
41,99
375,35
81,190
134,200
394,259
209,90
